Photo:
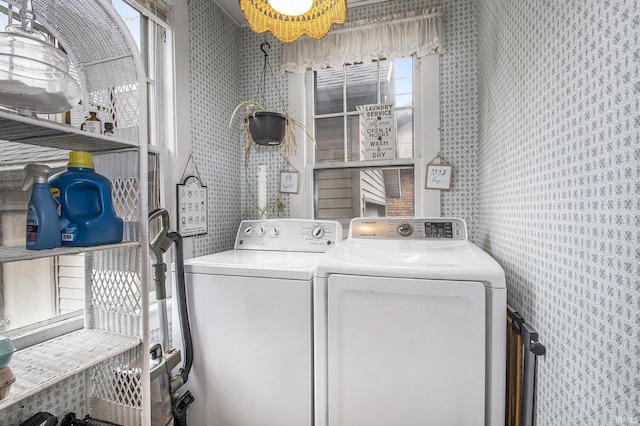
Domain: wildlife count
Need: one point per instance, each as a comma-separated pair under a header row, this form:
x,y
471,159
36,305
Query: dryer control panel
x,y
414,228
296,235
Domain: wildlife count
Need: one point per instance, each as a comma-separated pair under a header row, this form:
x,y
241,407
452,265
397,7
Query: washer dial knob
x,y
405,229
317,232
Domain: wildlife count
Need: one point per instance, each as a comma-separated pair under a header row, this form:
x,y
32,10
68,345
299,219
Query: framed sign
x,y
192,207
379,129
289,182
438,176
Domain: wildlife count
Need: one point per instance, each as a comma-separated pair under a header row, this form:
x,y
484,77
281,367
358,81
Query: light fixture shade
x,y
315,23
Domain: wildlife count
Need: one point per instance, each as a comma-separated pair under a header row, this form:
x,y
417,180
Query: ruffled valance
x,y
392,37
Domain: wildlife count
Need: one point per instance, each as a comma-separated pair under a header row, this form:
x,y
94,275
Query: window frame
x,y
426,139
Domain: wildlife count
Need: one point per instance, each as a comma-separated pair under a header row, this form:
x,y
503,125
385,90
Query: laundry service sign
x,y
379,131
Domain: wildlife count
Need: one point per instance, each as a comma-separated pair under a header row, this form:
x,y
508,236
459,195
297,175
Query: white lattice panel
x,y
115,292
117,389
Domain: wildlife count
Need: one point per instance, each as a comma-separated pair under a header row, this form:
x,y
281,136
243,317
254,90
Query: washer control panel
x,y
413,228
297,235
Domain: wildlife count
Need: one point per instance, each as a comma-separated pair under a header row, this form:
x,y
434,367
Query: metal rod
x,y
532,349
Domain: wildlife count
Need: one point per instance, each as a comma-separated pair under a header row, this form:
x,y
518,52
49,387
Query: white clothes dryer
x,y
251,320
410,327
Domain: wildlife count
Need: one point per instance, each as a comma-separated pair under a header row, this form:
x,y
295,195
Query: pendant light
x,y
288,20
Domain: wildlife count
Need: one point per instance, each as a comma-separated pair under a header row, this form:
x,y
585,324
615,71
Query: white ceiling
x,y
233,10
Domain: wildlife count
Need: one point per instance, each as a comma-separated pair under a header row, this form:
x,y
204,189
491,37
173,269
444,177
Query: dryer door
x,y
405,351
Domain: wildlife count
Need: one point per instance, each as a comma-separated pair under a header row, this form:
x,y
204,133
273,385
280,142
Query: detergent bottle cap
x,y
37,173
80,159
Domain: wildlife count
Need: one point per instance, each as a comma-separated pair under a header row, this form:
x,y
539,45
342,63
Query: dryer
x,y
251,321
410,327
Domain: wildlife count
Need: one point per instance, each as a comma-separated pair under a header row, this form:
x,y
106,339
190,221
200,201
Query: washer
x,y
251,315
410,327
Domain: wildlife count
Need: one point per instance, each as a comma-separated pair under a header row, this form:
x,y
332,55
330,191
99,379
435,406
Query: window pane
x,y
131,18
32,290
403,100
362,85
404,133
329,139
329,91
343,194
387,84
353,191
403,67
403,77
3,17
354,138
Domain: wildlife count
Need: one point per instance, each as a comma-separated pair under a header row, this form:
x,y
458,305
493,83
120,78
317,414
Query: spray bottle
x,y
43,231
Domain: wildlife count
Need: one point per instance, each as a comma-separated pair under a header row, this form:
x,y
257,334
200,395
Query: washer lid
x,y
450,260
253,263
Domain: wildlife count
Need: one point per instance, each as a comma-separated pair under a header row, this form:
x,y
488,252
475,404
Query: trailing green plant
x,y
275,206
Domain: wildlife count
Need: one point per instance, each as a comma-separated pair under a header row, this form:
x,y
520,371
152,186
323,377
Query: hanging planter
x,y
270,130
267,128
263,126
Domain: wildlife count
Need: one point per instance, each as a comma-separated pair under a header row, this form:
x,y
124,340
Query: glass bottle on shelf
x,y
92,124
108,129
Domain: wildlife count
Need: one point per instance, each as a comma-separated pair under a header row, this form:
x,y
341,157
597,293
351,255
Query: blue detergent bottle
x,y
42,228
85,207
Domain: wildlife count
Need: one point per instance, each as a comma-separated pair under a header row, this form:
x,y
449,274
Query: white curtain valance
x,y
391,37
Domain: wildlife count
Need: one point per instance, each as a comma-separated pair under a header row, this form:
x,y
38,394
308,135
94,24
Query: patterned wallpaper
x,y
458,98
215,58
239,78
559,193
539,113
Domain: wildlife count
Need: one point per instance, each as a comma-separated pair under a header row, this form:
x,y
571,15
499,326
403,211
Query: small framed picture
x,y
438,176
289,182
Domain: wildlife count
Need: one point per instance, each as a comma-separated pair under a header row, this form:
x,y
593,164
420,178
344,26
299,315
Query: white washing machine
x,y
410,327
251,320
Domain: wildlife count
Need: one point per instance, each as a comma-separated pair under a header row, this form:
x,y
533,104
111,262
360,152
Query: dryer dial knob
x,y
275,231
317,231
405,229
262,230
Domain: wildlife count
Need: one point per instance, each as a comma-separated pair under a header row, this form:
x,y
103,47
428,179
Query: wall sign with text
x,y
379,131
438,176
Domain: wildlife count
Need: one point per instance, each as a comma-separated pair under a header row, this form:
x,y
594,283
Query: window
x,y
39,292
349,179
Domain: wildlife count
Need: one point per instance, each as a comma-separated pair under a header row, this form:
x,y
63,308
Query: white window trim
x,y
426,138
